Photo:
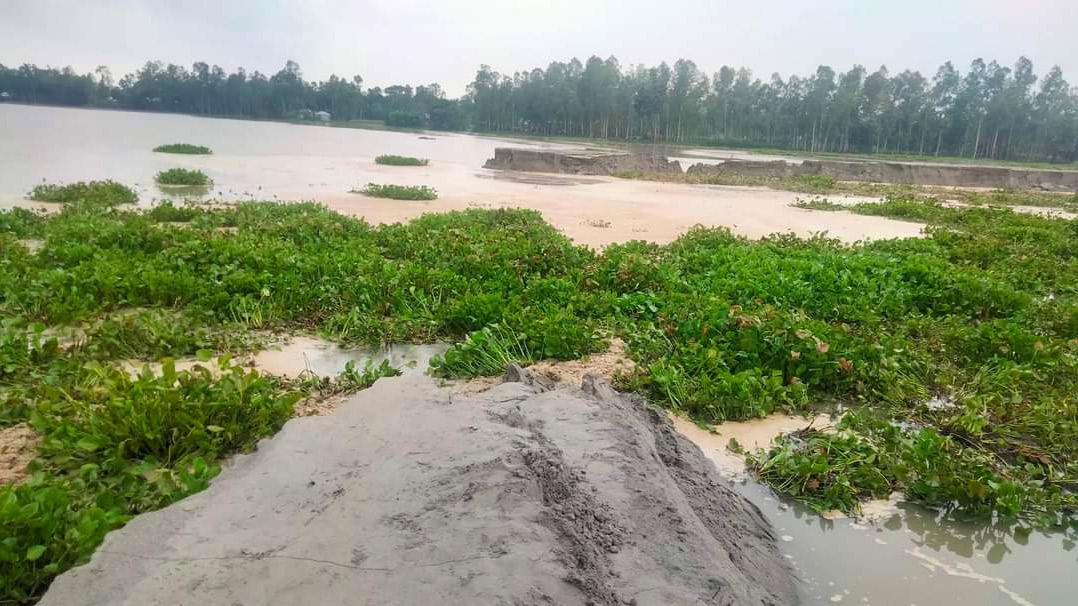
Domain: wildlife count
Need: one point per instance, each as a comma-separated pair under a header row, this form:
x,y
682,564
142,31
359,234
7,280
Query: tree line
x,y
990,111
209,90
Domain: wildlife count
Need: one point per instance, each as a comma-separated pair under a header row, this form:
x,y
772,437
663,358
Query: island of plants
x,y
106,193
954,356
183,148
391,160
398,192
183,176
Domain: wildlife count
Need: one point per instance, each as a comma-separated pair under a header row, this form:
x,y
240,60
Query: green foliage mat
x,y
981,315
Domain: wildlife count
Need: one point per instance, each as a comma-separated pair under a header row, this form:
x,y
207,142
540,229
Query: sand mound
x,y
413,494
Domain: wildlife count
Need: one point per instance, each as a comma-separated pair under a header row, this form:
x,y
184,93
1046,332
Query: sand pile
x,y
412,494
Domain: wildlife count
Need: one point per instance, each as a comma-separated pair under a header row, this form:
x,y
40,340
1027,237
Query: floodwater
x,y
299,356
276,161
905,557
898,554
302,355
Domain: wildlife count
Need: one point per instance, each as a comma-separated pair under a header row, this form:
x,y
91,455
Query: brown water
x,y
275,161
899,554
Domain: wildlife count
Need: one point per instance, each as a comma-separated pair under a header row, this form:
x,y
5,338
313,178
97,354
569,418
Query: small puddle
x,y
303,354
896,553
310,355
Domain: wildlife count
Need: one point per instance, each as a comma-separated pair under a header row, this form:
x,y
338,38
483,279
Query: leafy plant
x,y
399,192
484,353
391,160
183,148
183,176
98,193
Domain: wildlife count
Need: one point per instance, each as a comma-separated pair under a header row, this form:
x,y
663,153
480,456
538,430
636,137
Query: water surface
x,y
277,161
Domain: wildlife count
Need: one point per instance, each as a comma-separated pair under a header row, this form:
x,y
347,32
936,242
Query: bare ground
x,y
18,446
413,494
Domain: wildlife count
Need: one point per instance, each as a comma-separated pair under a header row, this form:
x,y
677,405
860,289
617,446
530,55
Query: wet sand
x,y
614,210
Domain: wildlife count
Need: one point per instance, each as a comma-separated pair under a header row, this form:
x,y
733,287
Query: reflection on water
x,y
909,555
309,355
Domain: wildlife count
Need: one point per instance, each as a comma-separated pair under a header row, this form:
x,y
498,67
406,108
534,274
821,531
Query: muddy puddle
x,y
896,553
310,355
303,355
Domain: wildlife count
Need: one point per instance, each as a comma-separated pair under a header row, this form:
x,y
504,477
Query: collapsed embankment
x,y
910,173
899,172
414,494
579,163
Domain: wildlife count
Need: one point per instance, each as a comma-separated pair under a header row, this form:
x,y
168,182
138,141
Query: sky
x,y
445,41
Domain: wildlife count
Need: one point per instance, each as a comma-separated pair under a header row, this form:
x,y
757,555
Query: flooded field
x,y
900,554
275,161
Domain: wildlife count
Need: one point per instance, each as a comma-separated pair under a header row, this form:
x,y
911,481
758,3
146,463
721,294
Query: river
x,y
278,161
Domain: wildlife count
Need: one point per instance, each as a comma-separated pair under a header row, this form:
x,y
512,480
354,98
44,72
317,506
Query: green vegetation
x,y
955,356
101,193
183,148
183,176
391,160
399,192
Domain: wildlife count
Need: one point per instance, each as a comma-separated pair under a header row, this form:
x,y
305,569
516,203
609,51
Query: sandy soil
x,y
608,364
608,210
18,446
32,245
410,494
751,434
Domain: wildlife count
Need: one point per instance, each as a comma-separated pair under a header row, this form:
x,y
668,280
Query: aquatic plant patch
x,y
391,160
183,176
183,148
99,193
399,192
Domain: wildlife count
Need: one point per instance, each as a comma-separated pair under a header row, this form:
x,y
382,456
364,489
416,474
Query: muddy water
x,y
274,161
900,554
310,355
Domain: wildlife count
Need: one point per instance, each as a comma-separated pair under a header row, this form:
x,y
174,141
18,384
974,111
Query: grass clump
x,y
399,192
183,176
391,160
97,193
183,148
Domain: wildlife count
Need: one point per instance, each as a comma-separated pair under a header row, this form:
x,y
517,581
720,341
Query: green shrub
x,y
96,193
183,176
183,148
22,222
167,212
391,160
399,192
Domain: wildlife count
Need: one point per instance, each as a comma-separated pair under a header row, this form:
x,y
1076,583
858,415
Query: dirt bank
x,y
583,162
411,494
909,173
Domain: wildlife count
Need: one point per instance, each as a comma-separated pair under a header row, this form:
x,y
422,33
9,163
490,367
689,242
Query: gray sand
x,y
410,494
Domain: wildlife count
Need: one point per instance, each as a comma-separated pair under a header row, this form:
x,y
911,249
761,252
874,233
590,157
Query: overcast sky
x,y
414,41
